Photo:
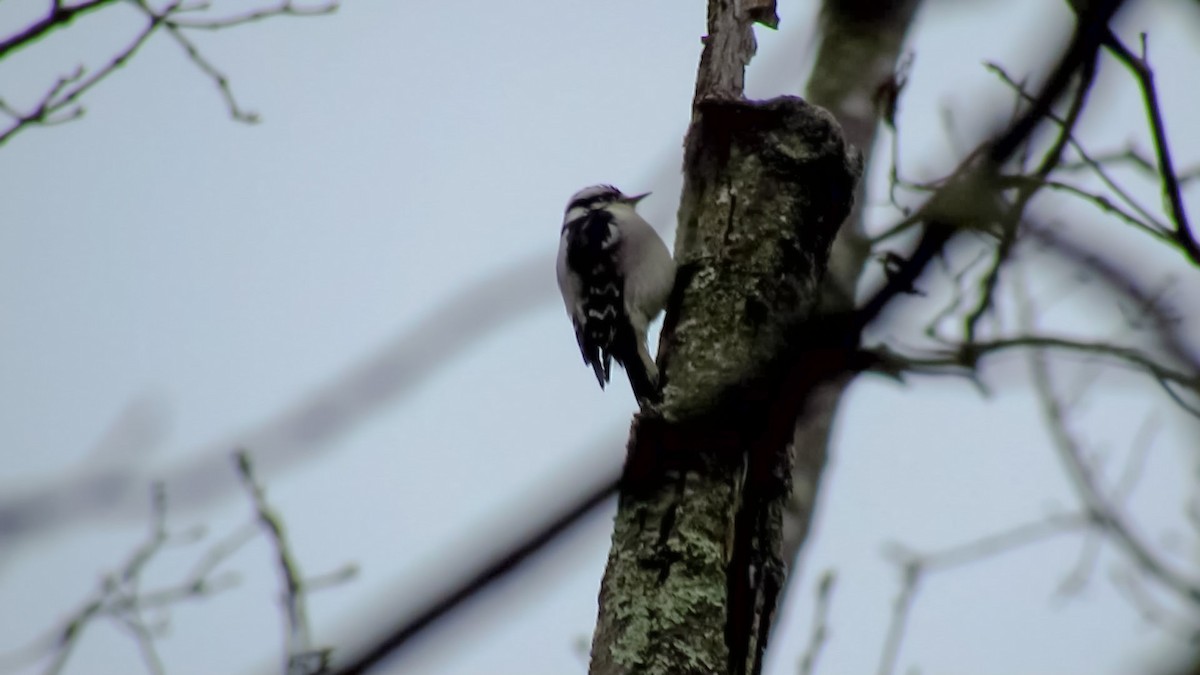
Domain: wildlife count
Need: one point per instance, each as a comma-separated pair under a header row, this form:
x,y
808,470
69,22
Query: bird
x,y
616,275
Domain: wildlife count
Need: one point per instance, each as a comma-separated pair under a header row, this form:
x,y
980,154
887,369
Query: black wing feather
x,y
591,247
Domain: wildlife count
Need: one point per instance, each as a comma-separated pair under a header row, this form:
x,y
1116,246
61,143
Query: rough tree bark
x,y
695,567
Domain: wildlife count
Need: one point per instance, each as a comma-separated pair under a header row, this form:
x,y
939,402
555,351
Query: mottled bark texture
x,y
860,46
694,569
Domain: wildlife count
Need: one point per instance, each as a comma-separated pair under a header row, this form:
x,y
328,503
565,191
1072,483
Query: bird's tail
x,y
639,367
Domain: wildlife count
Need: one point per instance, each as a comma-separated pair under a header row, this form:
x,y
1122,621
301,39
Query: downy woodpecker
x,y
615,274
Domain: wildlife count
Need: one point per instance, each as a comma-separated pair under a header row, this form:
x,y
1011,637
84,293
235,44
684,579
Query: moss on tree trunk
x,y
694,567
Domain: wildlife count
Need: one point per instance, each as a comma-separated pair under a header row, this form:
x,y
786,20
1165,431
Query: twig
x,y
1135,463
121,599
1152,613
198,59
1085,564
1015,211
1120,277
117,597
901,608
144,640
1126,482
60,96
201,582
1104,511
968,355
1166,168
301,658
1100,201
956,301
286,8
992,545
820,627
59,15
915,567
299,639
67,90
218,77
1087,159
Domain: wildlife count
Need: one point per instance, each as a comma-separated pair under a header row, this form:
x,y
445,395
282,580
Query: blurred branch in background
x,y
967,191
974,209
915,567
113,488
860,45
820,625
1155,343
123,600
1100,518
303,429
61,100
403,622
300,657
1102,504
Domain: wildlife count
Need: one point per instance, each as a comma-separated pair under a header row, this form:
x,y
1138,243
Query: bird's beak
x,y
636,198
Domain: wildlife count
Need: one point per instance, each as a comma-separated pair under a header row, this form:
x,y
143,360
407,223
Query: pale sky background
x,y
211,274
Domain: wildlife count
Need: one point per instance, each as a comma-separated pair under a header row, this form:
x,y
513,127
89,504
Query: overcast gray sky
x,y
201,277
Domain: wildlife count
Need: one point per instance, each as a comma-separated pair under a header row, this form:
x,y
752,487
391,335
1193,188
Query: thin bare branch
x,y
1010,223
1140,65
914,567
1131,473
121,599
144,640
1098,200
1085,565
910,573
286,8
59,16
968,355
1098,168
61,103
1152,611
1104,511
200,61
67,90
1135,463
820,627
299,639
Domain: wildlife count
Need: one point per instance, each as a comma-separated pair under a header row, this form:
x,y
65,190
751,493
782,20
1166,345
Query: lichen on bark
x,y
767,185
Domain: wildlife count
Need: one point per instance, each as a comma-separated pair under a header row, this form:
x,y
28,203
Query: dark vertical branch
x,y
860,45
728,48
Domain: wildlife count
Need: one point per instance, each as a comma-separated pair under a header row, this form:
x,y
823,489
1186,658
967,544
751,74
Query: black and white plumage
x,y
615,274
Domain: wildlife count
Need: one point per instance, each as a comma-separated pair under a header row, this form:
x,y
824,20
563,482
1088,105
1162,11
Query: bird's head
x,y
596,197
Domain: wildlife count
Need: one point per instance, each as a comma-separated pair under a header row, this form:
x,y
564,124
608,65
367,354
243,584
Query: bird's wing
x,y
588,264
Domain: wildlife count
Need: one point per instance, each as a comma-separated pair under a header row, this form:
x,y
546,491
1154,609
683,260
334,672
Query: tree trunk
x,y
860,46
695,567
